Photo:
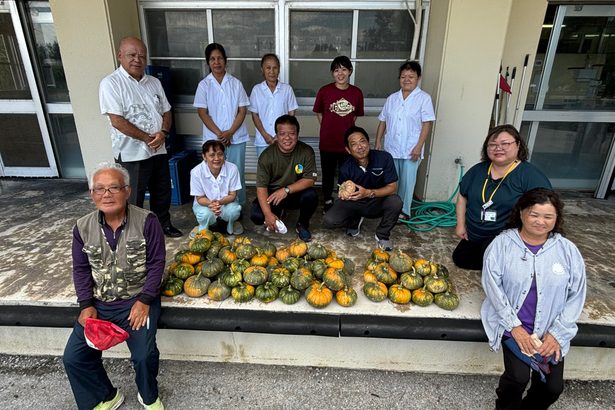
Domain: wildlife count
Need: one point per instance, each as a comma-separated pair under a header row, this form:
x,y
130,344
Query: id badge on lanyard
x,y
486,214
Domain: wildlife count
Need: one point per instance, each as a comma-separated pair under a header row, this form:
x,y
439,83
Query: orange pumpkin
x,y
282,254
334,263
380,255
260,259
346,297
298,248
399,294
318,295
196,286
368,276
205,233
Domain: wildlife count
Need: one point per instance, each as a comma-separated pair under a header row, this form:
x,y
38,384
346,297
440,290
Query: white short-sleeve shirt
x,y
222,102
141,102
203,183
270,106
404,120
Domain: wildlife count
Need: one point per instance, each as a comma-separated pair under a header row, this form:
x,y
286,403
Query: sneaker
x,y
157,405
193,232
356,230
112,404
384,244
237,228
303,233
328,204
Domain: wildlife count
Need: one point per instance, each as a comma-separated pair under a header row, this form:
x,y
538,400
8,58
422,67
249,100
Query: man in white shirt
x,y
140,118
214,184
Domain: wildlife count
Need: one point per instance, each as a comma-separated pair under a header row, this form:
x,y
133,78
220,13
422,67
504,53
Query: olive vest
x,y
118,274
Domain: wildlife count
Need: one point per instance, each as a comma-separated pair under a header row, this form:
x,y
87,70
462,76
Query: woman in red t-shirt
x,y
337,106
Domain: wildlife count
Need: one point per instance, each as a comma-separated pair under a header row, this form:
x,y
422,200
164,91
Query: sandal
x,y
403,217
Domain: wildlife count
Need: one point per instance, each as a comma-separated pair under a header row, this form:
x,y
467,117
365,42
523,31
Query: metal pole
x,y
512,84
496,115
527,57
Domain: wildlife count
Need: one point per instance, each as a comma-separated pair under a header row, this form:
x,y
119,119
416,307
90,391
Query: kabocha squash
x,y
422,267
335,263
269,249
371,264
245,251
212,267
267,292
447,300
242,292
375,291
255,275
368,276
273,261
280,277
227,255
260,259
199,245
172,286
281,254
188,257
301,279
400,261
411,280
183,270
346,297
348,266
298,248
442,270
422,297
292,263
207,234
218,291
385,274
196,285
346,189
400,295
316,251
240,240
213,250
218,237
289,295
380,255
232,279
436,284
318,267
240,265
335,279
171,267
318,295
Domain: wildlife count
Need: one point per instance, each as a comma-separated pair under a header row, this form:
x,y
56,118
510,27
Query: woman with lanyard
x,y
489,191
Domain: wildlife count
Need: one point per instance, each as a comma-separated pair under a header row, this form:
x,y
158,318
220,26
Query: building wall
x,y
88,33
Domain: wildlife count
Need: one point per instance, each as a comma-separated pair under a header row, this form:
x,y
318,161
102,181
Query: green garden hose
x,y
429,215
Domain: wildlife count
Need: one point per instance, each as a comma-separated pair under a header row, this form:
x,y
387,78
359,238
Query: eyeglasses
x,y
132,56
502,145
112,190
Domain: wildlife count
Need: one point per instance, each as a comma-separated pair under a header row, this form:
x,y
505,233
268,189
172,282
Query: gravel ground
x,y
28,382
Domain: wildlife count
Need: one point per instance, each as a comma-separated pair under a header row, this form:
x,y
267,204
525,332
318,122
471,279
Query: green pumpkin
x,y
267,292
375,291
199,245
196,285
242,292
318,268
245,251
212,267
385,274
239,265
316,251
400,261
280,277
255,275
334,279
227,255
447,300
289,295
172,286
301,279
213,250
348,266
291,263
436,284
422,297
232,279
442,271
218,291
411,280
183,270
269,249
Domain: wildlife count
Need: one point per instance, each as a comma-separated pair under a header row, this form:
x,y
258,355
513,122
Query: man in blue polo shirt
x,y
374,175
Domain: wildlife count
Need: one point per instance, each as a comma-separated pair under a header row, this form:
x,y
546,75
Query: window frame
x,y
282,11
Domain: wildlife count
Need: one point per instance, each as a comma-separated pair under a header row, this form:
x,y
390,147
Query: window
x,y
306,35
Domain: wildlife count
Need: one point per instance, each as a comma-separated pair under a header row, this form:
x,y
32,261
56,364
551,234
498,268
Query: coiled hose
x,y
427,216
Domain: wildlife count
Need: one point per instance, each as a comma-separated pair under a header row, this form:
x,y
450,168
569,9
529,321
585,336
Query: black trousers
x,y
330,163
515,378
151,174
469,254
306,201
346,214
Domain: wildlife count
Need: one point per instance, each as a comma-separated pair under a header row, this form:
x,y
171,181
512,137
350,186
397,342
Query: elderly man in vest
x,y
118,261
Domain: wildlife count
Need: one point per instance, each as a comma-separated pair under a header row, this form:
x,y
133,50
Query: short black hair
x,y
270,56
412,66
351,131
210,49
341,61
286,119
538,196
212,145
523,153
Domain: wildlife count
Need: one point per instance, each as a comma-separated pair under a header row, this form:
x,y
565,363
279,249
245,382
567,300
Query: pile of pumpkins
x,y
401,279
213,266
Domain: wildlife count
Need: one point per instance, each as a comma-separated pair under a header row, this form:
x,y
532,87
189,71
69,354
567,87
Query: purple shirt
x,y
155,255
527,313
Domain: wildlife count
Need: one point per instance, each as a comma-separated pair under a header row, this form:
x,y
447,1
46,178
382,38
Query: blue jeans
x,y
83,364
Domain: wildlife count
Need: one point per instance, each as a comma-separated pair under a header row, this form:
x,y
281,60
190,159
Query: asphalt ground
x,y
39,382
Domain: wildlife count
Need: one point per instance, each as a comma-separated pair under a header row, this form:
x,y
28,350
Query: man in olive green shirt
x,y
285,178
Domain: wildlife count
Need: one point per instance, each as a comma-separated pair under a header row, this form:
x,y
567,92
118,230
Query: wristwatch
x,y
372,194
287,190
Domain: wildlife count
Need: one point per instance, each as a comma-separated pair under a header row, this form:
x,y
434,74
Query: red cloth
x,y
102,334
504,84
339,109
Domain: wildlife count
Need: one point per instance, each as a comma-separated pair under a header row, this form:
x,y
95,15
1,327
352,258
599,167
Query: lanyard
x,y
510,168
